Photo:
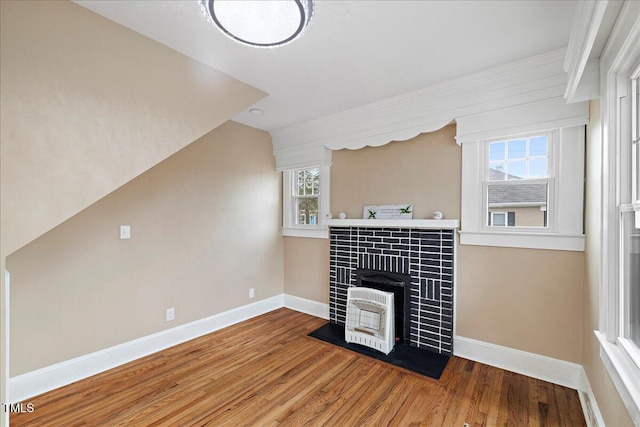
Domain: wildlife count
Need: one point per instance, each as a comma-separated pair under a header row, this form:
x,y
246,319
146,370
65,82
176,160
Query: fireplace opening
x,y
399,285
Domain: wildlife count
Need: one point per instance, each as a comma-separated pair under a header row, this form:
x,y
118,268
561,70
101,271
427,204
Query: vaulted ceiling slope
x,y
357,52
87,105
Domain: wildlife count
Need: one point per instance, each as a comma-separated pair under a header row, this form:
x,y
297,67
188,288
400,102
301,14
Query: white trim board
x,y
402,117
51,377
544,368
40,381
312,308
60,374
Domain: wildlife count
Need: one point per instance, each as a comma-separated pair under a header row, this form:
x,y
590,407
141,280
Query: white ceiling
x,y
356,52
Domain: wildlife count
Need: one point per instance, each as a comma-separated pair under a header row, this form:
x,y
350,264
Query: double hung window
x,y
305,194
629,224
525,189
619,332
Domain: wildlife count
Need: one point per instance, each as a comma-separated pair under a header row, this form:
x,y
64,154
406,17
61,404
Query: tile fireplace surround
x,y
422,249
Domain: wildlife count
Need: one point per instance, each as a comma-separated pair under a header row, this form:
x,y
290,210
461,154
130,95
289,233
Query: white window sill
x,y
315,233
624,373
559,242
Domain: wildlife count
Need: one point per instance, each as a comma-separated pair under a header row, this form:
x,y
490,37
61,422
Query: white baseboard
x,y
545,368
313,308
51,377
588,402
25,386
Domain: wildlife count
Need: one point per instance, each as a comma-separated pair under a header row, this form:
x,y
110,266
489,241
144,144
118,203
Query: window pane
x,y
538,146
526,203
308,182
631,274
315,181
499,220
300,180
517,169
525,158
538,168
497,171
496,151
517,149
635,149
307,211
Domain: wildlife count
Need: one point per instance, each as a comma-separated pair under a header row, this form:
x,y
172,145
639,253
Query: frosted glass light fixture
x,y
260,23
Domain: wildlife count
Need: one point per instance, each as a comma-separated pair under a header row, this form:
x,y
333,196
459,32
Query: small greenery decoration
x,y
406,210
372,214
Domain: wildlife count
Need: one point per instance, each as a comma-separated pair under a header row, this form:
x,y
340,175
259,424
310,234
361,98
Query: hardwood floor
x,y
267,372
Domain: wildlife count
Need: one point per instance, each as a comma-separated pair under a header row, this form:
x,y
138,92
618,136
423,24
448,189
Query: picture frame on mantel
x,y
403,211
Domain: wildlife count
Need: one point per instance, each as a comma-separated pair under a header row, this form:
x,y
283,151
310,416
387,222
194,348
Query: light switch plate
x,y
125,231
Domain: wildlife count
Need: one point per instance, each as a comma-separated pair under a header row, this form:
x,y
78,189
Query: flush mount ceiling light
x,y
260,23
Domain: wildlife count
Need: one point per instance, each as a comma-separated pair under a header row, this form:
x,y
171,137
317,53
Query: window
x,y
629,226
306,195
631,229
305,200
619,332
502,219
517,178
524,190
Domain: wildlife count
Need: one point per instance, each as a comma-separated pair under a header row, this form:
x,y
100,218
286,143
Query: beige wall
x,y
424,171
306,268
607,397
205,227
524,299
87,105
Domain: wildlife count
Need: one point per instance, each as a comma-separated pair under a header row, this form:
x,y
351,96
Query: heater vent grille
x,y
370,318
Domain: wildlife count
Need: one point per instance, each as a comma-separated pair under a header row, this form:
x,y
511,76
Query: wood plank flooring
x,y
267,372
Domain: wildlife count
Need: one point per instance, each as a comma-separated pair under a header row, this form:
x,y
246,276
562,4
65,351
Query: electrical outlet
x,y
125,231
171,314
251,293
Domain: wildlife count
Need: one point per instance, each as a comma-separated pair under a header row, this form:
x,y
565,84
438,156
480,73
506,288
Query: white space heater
x,y
370,318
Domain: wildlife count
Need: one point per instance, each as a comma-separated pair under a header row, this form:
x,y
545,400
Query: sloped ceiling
x,y
87,105
357,52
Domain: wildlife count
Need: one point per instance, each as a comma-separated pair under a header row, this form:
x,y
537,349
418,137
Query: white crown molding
x,y
405,116
547,114
304,157
589,17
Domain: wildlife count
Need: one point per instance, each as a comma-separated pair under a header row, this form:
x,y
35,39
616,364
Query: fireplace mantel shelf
x,y
394,223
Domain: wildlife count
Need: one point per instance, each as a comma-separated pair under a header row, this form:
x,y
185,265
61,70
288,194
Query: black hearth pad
x,y
411,358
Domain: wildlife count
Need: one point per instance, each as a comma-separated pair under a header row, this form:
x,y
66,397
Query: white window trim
x,y
618,62
289,226
566,187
